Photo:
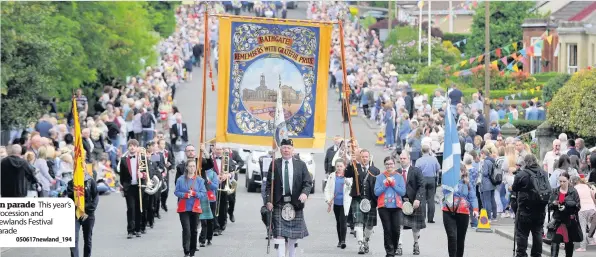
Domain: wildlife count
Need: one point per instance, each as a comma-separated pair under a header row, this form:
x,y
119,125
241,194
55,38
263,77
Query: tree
x,y
506,19
574,104
553,85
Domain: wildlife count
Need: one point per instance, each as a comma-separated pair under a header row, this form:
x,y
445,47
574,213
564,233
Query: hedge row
x,y
524,126
494,94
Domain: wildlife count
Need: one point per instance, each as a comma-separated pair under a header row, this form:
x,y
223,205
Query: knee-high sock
x,y
281,247
416,234
358,228
400,238
292,247
368,232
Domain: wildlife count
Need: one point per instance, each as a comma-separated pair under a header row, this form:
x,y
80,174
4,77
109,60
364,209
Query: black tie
x,y
218,158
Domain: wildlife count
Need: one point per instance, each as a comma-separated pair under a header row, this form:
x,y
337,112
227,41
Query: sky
x,y
272,68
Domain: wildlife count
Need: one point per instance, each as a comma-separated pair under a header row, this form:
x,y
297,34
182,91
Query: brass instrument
x,y
225,171
141,165
152,183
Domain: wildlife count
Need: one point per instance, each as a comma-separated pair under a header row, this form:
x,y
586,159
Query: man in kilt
x,y
415,195
291,186
364,222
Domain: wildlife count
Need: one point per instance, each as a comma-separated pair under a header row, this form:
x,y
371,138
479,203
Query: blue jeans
x,y
473,220
102,188
504,196
489,204
147,136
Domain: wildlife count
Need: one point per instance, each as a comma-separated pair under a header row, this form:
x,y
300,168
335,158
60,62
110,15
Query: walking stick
x,y
270,229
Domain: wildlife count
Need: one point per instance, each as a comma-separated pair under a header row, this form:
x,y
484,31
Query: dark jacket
x,y
207,164
16,176
370,182
415,185
522,185
329,167
91,194
592,175
302,183
571,209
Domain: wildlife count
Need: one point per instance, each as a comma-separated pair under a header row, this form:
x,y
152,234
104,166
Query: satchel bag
x,y
551,231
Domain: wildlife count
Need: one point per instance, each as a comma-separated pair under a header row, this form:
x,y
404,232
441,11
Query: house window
x,y
571,58
535,65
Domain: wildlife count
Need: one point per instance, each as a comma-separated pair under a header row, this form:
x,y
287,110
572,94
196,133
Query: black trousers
x,y
133,210
526,222
148,216
456,226
340,220
87,234
569,248
391,221
430,188
190,224
366,109
232,200
164,194
350,219
222,218
156,204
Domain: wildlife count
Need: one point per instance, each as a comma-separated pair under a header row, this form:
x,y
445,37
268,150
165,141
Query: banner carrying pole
x,y
206,52
345,102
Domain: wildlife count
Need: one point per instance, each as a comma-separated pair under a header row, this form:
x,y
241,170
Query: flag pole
x,y
429,34
345,101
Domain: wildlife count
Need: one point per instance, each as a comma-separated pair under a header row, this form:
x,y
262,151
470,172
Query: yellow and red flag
x,y
79,163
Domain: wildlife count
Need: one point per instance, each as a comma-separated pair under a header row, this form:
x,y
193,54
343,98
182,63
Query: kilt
x,y
207,214
368,219
416,220
294,229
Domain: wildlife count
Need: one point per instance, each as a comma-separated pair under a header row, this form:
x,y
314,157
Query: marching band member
x,y
264,212
235,156
148,215
129,180
191,154
158,160
222,219
208,216
170,163
456,216
364,220
415,195
190,190
389,188
337,196
292,185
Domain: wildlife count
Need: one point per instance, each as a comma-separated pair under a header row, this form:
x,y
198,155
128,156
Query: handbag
x,y
551,231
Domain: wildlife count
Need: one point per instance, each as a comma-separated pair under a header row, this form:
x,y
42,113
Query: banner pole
x,y
346,93
206,52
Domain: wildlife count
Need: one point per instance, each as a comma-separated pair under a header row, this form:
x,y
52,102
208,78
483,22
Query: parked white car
x,y
244,153
308,158
254,171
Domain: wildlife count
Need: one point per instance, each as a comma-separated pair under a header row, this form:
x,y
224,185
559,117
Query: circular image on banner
x,y
259,85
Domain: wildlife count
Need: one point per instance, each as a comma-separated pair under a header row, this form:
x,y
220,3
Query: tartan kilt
x,y
368,219
207,214
416,220
294,229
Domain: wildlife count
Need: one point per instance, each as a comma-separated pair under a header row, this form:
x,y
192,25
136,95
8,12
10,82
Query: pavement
x,y
246,237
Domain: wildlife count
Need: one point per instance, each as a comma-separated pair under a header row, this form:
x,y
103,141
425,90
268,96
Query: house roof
x,y
575,11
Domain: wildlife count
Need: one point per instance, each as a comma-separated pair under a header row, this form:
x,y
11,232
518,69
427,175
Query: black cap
x,y
287,142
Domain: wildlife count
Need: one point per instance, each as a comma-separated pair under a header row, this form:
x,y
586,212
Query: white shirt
x,y
133,171
549,160
290,173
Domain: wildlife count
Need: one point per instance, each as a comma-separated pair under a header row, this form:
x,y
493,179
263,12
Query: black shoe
x,y
343,245
165,208
431,221
220,232
338,244
361,248
143,232
216,233
158,216
202,245
209,242
138,234
151,226
129,236
232,219
416,249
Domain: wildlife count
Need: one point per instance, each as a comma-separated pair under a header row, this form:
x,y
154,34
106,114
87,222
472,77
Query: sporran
x,y
407,208
365,205
287,212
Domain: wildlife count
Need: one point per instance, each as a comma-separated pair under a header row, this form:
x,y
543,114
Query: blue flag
x,y
451,158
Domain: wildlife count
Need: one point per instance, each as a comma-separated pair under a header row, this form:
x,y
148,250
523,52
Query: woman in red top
x,y
565,205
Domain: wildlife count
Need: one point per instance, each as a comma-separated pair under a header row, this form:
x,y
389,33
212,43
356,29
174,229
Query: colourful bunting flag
x,y
494,65
506,48
507,98
515,68
523,52
504,60
420,4
535,99
472,60
498,52
514,55
519,94
514,46
538,88
531,91
462,63
456,74
501,99
480,58
549,39
512,96
465,41
530,51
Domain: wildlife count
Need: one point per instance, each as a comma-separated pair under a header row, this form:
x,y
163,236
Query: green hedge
x,y
430,89
524,126
545,76
455,37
